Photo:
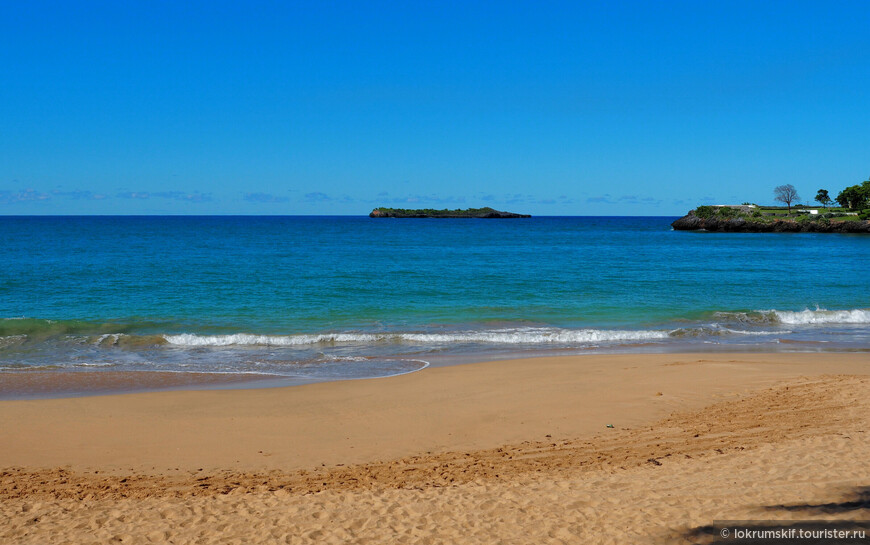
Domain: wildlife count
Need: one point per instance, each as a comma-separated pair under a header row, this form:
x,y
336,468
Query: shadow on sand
x,y
855,503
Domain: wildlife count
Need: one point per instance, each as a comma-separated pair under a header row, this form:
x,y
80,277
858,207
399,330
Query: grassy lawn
x,y
777,211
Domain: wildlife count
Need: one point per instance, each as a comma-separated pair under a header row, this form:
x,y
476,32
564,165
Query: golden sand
x,y
509,452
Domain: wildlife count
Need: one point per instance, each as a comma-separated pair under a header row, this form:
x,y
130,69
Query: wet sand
x,y
54,384
516,452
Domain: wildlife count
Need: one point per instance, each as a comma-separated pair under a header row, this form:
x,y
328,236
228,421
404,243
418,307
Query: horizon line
x,y
306,216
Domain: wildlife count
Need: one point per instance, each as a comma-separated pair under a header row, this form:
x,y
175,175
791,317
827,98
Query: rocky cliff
x,y
691,222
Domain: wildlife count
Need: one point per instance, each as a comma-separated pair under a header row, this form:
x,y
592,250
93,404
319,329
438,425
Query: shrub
x,y
705,212
864,214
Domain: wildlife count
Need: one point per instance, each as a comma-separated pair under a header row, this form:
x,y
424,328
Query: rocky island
x,y
485,213
744,219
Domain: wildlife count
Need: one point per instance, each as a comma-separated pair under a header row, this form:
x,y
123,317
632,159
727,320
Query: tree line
x,y
854,197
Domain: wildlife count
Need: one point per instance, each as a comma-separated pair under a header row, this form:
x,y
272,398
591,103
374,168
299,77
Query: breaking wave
x,y
27,332
524,336
820,316
802,317
501,336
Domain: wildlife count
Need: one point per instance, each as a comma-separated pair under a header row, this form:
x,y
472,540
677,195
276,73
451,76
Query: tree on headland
x,y
855,197
786,194
823,198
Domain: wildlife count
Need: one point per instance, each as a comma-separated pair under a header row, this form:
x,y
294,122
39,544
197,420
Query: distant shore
x,y
480,213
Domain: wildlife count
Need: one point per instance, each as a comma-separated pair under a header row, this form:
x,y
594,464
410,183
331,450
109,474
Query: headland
x,y
750,219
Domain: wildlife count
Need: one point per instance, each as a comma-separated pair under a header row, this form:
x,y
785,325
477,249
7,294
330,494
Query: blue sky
x,y
550,108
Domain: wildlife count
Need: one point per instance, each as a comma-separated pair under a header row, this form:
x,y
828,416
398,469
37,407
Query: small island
x,y
482,213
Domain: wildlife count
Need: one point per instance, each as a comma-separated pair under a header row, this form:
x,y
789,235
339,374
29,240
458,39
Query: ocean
x,y
325,298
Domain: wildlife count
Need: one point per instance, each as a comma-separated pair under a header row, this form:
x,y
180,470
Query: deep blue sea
x,y
346,297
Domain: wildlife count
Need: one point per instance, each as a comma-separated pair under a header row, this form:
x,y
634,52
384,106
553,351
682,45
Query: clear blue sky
x,y
552,108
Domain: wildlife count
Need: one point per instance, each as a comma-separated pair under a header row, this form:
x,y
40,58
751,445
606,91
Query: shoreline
x,y
496,402
32,385
36,385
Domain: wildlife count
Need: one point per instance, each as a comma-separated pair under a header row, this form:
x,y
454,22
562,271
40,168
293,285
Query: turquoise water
x,y
335,297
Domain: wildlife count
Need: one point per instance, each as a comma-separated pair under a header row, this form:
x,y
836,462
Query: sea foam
x,y
822,316
498,336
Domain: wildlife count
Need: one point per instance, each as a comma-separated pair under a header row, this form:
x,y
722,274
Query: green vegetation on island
x,y
855,197
852,216
485,212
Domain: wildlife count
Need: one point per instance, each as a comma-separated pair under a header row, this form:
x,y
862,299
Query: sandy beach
x,y
517,451
425,273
